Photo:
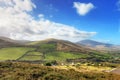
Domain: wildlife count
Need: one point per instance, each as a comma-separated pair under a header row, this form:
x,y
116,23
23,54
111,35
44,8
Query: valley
x,y
60,55
59,39
53,49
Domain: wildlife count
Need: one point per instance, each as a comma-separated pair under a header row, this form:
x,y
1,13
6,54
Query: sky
x,y
72,20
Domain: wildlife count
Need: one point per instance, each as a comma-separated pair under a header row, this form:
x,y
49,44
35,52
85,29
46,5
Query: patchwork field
x,y
31,56
62,56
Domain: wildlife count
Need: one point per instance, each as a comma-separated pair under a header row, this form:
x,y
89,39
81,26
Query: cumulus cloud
x,y
17,23
83,8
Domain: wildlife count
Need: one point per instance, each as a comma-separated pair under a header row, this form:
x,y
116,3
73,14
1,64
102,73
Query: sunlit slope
x,y
13,53
45,51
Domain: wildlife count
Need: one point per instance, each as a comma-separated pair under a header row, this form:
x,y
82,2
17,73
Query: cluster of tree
x,y
98,57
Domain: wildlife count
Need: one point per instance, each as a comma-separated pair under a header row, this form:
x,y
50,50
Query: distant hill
x,y
7,42
93,43
96,45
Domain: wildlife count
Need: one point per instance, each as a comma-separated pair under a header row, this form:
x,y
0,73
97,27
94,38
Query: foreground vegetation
x,y
27,71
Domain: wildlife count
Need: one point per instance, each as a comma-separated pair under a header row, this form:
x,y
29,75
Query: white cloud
x,y
83,8
17,23
41,16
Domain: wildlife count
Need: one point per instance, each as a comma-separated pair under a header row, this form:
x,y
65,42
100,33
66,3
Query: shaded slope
x,y
5,43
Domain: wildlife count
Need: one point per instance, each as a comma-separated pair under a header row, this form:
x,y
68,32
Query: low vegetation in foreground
x,y
28,71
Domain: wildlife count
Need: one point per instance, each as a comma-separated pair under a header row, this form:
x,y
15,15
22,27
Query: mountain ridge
x,y
62,45
93,43
96,45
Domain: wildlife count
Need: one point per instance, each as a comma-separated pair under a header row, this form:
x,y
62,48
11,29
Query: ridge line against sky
x,y
75,20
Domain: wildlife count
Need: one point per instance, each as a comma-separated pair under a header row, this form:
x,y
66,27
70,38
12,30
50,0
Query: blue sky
x,y
71,20
103,19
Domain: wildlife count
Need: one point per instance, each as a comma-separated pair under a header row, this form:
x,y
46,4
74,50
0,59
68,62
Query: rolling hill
x,y
62,45
51,49
7,42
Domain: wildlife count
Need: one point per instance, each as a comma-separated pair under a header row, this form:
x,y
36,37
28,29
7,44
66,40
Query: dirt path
x,y
116,71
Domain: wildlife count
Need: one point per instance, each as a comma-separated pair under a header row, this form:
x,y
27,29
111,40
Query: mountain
x,y
61,50
45,50
96,45
51,49
93,43
7,42
62,45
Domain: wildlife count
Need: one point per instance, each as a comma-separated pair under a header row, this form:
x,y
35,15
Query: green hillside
x,y
62,56
31,56
13,53
58,50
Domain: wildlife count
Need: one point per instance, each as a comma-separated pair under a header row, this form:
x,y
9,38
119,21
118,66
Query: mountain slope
x,y
7,42
93,43
62,45
52,49
102,47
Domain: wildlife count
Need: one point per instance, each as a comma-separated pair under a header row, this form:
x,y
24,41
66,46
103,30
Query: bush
x,y
51,63
48,64
54,76
26,71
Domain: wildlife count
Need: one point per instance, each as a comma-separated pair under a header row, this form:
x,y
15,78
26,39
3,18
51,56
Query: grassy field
x,y
35,53
58,56
48,52
13,53
62,56
31,56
